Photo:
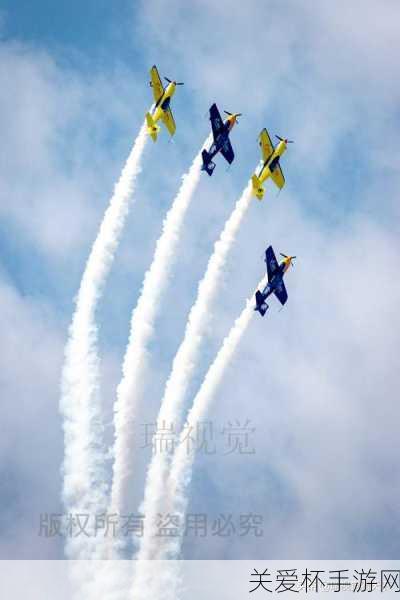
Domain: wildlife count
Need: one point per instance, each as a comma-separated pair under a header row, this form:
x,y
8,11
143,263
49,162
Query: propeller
x,y
284,140
175,82
290,257
232,114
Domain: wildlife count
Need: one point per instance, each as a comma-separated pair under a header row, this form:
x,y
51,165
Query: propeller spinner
x,y
291,258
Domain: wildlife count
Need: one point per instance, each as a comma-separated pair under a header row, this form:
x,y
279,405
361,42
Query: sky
x,y
318,380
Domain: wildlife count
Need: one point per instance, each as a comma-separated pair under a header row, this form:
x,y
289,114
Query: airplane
x,y
275,283
271,167
221,130
162,109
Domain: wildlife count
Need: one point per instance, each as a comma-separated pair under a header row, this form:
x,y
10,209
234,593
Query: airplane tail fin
x,y
152,127
261,305
208,164
258,189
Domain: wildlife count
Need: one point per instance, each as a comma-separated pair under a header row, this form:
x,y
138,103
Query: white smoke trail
x,y
84,486
109,582
181,469
176,387
142,329
165,583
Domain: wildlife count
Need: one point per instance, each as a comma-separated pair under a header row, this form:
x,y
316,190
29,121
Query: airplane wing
x,y
277,176
217,123
227,151
168,120
281,293
156,84
271,262
266,145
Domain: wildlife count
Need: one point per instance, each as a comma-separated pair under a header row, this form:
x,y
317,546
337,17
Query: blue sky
x,y
319,378
97,29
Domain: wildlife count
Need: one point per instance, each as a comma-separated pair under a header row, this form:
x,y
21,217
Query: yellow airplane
x,y
271,167
162,109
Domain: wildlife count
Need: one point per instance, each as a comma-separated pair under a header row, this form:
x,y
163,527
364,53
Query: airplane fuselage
x,y
275,283
163,103
221,137
269,165
276,279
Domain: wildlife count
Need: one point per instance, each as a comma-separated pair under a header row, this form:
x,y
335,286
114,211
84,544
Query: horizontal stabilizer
x,y
208,164
261,305
258,189
152,127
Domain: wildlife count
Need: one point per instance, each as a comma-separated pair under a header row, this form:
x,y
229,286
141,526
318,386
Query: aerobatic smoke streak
x,y
141,331
109,581
167,580
84,486
176,386
182,463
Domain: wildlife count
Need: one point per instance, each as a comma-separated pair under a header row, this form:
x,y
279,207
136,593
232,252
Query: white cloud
x,y
30,444
56,163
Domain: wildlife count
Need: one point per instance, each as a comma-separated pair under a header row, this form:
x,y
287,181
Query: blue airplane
x,y
275,283
221,130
